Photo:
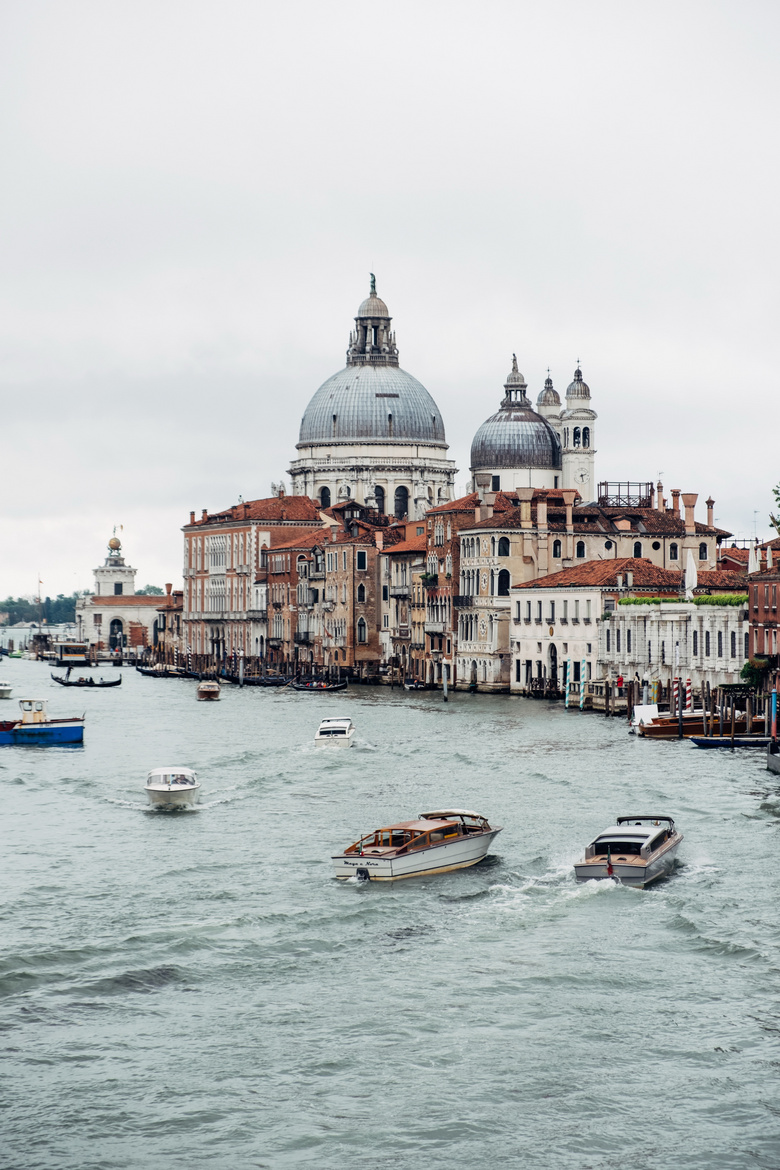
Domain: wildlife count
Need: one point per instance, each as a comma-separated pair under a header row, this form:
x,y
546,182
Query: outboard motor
x,y
362,875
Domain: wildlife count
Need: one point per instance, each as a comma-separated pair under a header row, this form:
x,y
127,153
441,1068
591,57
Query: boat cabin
x,y
171,777
632,837
34,710
334,728
410,835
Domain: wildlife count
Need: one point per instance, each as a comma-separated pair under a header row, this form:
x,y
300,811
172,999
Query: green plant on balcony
x,y
754,671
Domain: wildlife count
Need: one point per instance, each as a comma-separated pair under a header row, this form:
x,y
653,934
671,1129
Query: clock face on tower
x,y
581,475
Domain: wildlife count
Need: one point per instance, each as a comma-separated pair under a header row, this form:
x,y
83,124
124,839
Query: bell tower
x,y
578,439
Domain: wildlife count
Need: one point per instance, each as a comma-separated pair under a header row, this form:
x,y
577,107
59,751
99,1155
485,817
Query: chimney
x,y
525,495
281,491
192,517
659,499
630,579
541,512
652,496
710,511
379,539
569,496
676,501
689,501
205,515
481,485
620,580
168,587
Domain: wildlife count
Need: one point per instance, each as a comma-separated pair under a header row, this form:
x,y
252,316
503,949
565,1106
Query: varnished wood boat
x,y
635,851
437,842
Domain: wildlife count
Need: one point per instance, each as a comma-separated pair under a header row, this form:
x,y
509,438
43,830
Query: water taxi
x,y
335,733
35,726
5,690
437,842
634,851
172,787
208,690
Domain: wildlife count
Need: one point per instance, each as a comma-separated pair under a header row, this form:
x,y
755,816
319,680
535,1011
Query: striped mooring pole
x,y
688,695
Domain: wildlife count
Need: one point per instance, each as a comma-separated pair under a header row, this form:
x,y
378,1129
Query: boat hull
x,y
773,759
638,876
338,741
441,858
725,741
5,692
172,798
42,733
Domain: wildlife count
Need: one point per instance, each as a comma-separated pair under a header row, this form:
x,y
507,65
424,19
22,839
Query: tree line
x,y
52,610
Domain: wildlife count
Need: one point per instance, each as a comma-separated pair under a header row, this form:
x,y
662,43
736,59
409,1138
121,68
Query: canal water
x,y
196,988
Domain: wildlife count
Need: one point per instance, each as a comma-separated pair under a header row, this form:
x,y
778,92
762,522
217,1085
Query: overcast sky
x,y
194,193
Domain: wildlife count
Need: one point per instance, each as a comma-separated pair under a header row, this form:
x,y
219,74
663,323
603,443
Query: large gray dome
x,y
379,403
515,436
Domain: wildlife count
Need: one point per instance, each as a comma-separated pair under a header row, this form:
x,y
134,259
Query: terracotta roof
x,y
123,600
274,510
646,575
414,544
593,518
735,554
305,540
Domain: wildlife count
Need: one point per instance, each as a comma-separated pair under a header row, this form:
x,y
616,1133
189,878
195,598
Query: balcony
x,y
257,615
462,601
435,628
302,638
400,590
275,643
402,632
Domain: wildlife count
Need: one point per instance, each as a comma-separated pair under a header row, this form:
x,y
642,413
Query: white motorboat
x,y
634,851
643,714
5,690
437,842
172,787
208,690
335,733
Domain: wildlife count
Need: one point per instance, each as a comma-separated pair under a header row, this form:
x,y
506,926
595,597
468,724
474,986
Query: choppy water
x,y
188,989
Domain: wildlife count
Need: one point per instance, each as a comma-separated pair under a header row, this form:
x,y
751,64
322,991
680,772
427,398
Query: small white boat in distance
x,y
437,842
208,690
5,690
635,851
335,733
172,787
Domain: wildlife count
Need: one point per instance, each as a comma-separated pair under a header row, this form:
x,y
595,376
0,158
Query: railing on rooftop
x,y
625,494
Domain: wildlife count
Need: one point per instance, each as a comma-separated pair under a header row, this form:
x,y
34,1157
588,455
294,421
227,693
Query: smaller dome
x,y
578,388
115,544
373,306
549,396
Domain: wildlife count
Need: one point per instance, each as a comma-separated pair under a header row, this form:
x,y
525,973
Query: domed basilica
x,y
372,432
549,447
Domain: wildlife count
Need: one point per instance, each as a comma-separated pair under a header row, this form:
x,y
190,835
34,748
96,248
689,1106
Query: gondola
x,y
316,688
86,682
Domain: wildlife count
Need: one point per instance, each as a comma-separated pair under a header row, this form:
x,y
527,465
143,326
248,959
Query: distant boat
x,y
208,690
36,727
773,756
318,686
86,682
161,670
5,690
634,851
725,741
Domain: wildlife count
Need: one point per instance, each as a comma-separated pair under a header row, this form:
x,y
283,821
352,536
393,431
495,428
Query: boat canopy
x,y
445,814
172,772
652,820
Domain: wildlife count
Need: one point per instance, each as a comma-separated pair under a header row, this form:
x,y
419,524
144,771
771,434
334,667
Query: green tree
x,y
775,520
150,591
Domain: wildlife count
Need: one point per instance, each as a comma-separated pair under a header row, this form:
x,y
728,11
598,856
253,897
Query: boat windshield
x,y
615,846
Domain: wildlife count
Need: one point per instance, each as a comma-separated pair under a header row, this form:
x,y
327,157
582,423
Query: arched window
x,y
401,502
379,495
720,643
492,546
581,549
586,436
361,631
703,551
637,548
325,497
733,644
576,436
503,583
116,640
695,643
492,582
390,424
707,643
672,552
361,593
556,549
503,546
565,435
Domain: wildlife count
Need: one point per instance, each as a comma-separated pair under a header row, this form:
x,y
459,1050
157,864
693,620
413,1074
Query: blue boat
x,y
36,727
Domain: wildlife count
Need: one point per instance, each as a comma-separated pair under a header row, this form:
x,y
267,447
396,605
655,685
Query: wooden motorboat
x,y
208,690
437,842
172,787
668,726
414,684
634,851
335,733
36,727
5,690
81,681
317,686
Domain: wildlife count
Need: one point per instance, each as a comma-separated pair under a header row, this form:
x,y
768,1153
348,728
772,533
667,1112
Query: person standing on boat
x,y
620,684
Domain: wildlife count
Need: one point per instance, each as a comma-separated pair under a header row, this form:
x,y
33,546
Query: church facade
x,y
372,433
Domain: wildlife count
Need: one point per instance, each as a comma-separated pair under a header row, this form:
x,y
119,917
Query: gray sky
x,y
194,192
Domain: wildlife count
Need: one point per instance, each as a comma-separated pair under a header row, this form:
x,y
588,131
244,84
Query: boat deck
x,y
627,859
